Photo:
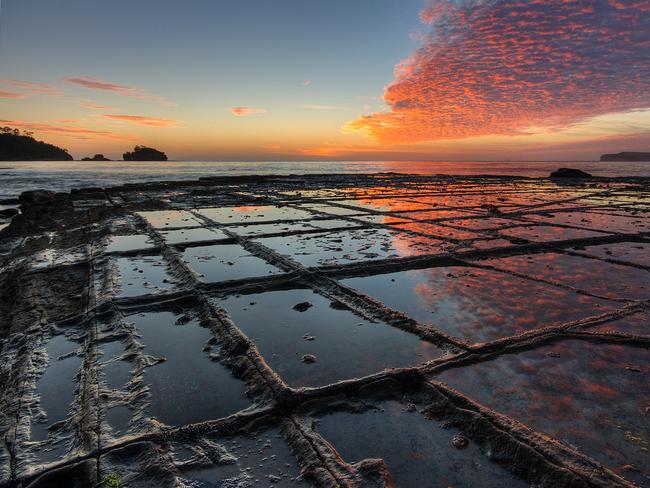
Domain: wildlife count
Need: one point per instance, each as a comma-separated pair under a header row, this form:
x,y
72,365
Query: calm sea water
x,y
16,177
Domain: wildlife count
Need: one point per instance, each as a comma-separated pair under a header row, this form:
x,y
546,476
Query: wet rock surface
x,y
570,173
328,330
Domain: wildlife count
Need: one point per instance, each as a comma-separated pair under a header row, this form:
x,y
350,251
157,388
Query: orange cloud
x,y
271,146
7,94
93,83
71,131
244,111
331,150
509,67
140,120
34,88
320,151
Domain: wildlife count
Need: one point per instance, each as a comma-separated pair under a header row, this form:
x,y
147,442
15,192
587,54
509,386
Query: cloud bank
x,y
65,130
506,67
92,83
140,120
32,88
14,95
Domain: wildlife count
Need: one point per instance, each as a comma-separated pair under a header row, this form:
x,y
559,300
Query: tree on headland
x,y
21,146
142,153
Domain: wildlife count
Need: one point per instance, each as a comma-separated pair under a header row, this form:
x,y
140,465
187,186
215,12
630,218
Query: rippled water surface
x,y
16,177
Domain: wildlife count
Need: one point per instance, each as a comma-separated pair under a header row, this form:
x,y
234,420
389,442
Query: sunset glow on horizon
x,y
380,80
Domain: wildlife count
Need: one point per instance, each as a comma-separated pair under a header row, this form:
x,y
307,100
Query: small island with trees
x,y
21,146
142,153
626,156
96,157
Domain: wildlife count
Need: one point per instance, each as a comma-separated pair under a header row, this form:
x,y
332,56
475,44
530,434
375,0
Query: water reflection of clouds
x,y
580,392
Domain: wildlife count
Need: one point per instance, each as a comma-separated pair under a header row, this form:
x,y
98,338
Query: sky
x,y
445,80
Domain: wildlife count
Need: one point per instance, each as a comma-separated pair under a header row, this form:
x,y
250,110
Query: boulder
x,y
8,212
570,173
37,197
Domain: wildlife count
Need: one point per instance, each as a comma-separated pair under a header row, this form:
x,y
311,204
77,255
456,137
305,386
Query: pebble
x,y
459,441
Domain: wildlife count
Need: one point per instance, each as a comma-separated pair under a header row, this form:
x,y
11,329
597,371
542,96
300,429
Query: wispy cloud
x,y
141,120
306,83
32,88
272,146
14,95
319,107
508,67
95,106
93,83
244,111
66,130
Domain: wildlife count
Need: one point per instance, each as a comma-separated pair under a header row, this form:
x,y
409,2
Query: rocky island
x,y
626,156
142,153
96,157
21,146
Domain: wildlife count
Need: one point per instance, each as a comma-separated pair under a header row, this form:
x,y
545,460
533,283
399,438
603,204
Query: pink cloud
x,y
504,67
14,95
93,83
34,88
71,131
96,106
140,120
244,111
306,83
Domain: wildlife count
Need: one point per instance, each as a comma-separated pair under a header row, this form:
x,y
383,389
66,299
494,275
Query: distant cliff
x,y
626,156
141,153
17,146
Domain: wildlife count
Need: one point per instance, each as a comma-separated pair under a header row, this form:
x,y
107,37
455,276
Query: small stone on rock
x,y
302,307
459,441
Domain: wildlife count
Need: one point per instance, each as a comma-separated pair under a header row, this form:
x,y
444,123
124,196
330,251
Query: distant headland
x,y
21,146
626,156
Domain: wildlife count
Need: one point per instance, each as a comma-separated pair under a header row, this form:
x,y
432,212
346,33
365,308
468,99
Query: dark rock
x,y
302,307
569,173
518,240
493,209
308,358
9,201
142,153
8,212
336,305
96,157
459,441
37,197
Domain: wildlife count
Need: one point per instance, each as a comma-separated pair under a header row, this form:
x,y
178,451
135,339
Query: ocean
x,y
16,177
